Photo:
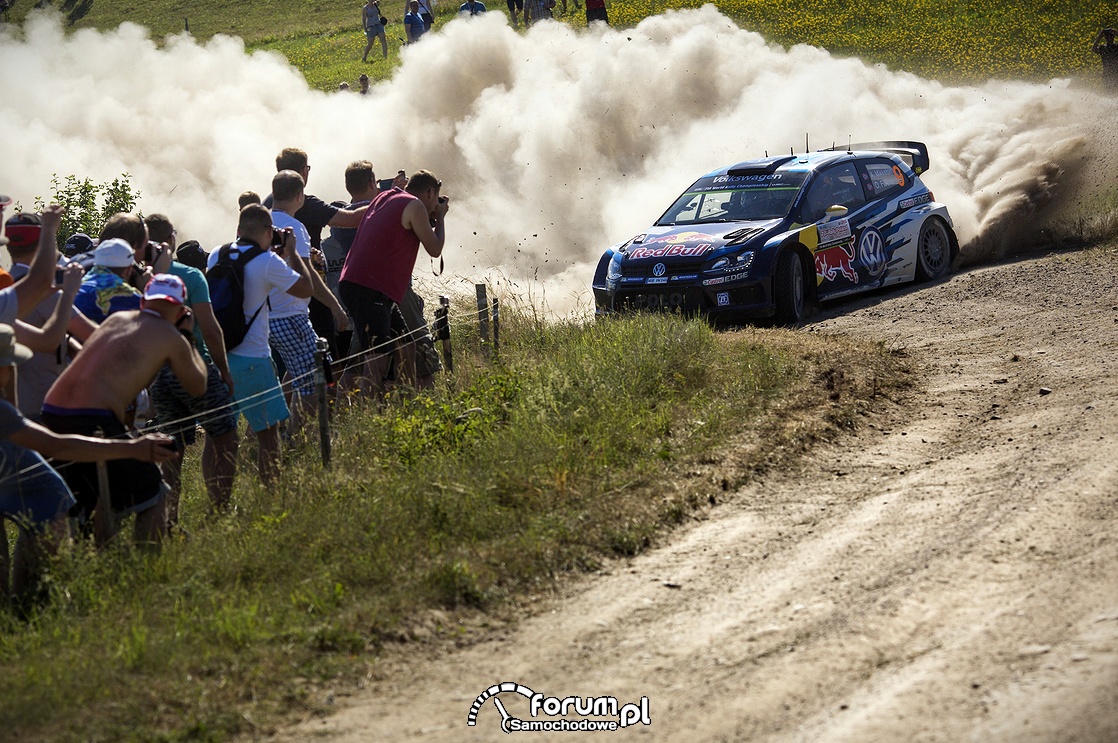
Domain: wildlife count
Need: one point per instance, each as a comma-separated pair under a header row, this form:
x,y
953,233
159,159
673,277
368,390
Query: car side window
x,y
837,185
882,178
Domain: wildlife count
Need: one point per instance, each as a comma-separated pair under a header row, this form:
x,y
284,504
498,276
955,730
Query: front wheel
x,y
933,250
788,288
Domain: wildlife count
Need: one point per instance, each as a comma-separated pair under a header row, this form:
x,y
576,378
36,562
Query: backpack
x,y
227,292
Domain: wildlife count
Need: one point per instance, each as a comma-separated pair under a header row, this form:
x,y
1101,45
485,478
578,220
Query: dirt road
x,y
947,573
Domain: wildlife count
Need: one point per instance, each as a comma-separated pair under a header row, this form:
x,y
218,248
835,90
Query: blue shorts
x,y
294,339
257,392
32,494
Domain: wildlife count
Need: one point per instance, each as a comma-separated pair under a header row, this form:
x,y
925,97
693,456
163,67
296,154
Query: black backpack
x,y
227,292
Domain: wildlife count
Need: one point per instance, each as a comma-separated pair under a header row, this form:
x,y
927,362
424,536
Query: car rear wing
x,y
913,153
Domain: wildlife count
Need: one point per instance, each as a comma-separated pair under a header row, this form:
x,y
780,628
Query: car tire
x,y
789,289
933,250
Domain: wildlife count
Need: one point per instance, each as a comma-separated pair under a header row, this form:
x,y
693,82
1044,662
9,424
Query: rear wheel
x,y
933,250
788,288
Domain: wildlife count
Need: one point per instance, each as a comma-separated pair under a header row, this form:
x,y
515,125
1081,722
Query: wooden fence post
x,y
323,403
442,331
496,328
483,317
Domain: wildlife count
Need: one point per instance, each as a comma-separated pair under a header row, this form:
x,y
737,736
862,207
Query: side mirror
x,y
835,211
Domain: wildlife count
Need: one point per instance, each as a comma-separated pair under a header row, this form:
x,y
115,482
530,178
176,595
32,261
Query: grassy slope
x,y
956,40
580,446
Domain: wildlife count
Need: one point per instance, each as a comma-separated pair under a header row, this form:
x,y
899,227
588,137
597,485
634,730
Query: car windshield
x,y
727,198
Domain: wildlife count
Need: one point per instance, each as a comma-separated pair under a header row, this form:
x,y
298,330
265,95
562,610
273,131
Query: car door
x,y
837,267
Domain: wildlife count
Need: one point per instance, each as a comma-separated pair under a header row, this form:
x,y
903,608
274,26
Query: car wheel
x,y
788,289
933,250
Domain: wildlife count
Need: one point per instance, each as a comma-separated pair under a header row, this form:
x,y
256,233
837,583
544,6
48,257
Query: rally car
x,y
770,237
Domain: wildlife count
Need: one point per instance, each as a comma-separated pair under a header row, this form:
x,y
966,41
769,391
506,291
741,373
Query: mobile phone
x,y
384,184
58,274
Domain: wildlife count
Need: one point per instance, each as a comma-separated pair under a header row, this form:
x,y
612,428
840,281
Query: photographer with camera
x,y
256,387
379,265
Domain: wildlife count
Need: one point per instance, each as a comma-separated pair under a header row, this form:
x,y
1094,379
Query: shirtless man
x,y
121,358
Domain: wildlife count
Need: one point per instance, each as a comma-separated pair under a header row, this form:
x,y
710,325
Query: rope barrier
x,y
285,386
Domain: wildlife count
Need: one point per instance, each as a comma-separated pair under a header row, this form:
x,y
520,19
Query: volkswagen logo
x,y
659,269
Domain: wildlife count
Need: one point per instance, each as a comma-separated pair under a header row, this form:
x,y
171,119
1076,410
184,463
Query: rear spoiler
x,y
913,153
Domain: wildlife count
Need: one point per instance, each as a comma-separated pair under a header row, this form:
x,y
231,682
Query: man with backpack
x,y
240,277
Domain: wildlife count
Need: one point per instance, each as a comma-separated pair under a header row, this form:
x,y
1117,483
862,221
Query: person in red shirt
x,y
379,265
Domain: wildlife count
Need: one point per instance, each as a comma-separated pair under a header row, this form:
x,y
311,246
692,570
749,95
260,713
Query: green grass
x,y
580,444
951,40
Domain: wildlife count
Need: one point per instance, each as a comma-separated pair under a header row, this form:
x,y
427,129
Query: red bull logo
x,y
677,245
835,260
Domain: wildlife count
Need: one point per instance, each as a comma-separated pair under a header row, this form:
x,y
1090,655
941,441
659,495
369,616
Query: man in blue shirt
x,y
473,7
413,22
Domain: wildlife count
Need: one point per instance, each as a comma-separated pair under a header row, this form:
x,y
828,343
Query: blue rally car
x,y
771,236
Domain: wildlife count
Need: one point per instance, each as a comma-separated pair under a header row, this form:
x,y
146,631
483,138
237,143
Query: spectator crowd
x,y
117,351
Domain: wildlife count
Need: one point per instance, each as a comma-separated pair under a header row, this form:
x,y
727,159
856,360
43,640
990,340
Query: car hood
x,y
679,243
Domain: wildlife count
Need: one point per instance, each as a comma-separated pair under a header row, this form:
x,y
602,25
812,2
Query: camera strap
x,y
441,264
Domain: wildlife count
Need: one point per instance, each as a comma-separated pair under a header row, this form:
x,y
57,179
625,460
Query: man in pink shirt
x,y
379,265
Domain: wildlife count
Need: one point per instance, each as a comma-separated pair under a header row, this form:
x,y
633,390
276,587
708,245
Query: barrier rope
x,y
285,386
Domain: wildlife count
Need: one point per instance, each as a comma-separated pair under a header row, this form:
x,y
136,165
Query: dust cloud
x,y
551,144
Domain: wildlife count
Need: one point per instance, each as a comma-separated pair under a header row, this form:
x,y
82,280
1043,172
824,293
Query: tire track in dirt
x,y
947,573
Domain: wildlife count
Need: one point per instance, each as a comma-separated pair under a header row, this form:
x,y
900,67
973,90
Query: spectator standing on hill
x,y
256,387
107,287
413,22
1108,53
121,358
516,7
249,197
471,7
537,10
374,28
363,84
179,412
315,215
19,299
595,11
291,333
54,316
378,268
427,13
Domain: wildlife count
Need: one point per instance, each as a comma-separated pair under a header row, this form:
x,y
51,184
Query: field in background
x,y
950,40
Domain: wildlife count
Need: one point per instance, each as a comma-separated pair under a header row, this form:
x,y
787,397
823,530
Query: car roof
x,y
913,155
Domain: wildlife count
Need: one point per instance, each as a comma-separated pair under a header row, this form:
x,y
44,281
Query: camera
x,y
442,199
152,251
278,237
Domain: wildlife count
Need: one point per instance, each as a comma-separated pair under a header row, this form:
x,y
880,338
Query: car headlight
x,y
739,262
613,273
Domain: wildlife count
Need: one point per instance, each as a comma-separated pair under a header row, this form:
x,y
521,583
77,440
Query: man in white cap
x,y
105,288
32,494
121,358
